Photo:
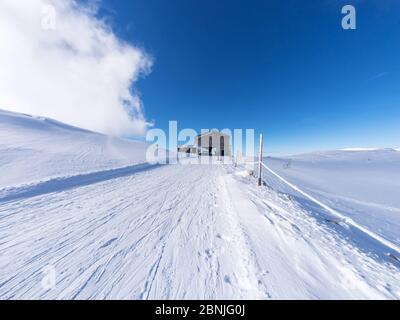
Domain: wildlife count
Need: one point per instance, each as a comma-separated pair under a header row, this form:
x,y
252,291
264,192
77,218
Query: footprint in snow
x,y
209,253
227,279
108,243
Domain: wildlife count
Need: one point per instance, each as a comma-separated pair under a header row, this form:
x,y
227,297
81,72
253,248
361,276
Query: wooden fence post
x,y
259,161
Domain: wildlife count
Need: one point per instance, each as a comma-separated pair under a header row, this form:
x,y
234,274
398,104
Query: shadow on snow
x,y
66,183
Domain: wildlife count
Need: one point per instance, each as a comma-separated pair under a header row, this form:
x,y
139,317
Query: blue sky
x,y
285,68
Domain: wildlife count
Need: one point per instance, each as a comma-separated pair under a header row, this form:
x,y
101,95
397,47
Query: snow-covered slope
x,y
180,232
85,209
34,149
361,184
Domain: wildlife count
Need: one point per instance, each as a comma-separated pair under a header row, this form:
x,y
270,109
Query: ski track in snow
x,y
129,237
177,232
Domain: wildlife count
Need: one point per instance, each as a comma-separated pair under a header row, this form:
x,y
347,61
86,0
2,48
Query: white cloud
x,y
378,76
80,73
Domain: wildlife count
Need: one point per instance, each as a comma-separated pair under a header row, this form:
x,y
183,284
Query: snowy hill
x,y
361,184
35,148
85,207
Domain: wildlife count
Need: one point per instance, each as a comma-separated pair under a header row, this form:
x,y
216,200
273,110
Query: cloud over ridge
x,y
80,72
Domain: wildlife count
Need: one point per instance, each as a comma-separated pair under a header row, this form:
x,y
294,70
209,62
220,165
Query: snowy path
x,y
176,232
147,235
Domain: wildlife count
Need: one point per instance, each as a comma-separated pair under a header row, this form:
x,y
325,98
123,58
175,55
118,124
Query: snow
x,y
361,185
114,227
340,218
36,148
359,149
